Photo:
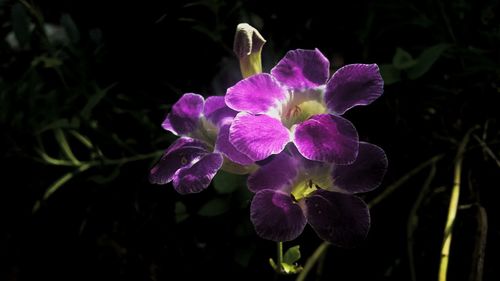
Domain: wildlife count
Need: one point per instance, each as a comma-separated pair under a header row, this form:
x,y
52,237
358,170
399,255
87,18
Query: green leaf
x,y
225,183
426,59
20,24
292,255
70,27
390,74
214,207
180,212
402,59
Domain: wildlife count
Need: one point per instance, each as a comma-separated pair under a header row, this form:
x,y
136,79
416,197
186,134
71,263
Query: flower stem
x,y
320,251
279,253
452,211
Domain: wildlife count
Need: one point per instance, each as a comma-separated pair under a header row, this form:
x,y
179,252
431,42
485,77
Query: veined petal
x,y
301,69
197,177
275,216
185,114
277,174
217,112
258,136
224,146
327,138
352,85
180,154
341,219
365,173
256,94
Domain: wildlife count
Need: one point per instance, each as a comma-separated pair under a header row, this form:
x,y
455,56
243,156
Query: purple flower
x,y
193,160
295,103
292,191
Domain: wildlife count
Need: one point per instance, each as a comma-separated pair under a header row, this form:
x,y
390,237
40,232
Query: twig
x,y
393,187
480,247
487,149
412,220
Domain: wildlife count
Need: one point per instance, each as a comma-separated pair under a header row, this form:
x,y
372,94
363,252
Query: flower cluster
x,y
285,128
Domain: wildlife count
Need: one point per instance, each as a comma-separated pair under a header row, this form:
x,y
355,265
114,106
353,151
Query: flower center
x,y
301,106
206,132
311,181
304,188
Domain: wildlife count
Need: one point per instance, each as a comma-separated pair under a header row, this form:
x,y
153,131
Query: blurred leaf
x,y
63,143
20,24
402,59
104,179
225,183
426,59
46,61
244,253
70,27
94,100
60,123
214,208
82,139
180,212
58,183
292,255
390,74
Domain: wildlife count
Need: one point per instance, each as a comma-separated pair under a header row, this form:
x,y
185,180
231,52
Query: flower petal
x,y
365,173
224,146
258,136
351,85
217,112
180,154
302,69
341,219
185,114
277,174
256,94
195,178
327,138
275,216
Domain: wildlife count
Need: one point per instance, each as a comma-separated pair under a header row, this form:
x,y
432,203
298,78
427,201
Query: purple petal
x,y
180,154
327,138
302,69
256,94
217,112
275,216
365,173
341,219
195,178
185,114
351,85
224,146
277,174
258,136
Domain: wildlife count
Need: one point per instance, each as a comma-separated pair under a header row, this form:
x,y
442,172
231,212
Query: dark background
x,y
124,63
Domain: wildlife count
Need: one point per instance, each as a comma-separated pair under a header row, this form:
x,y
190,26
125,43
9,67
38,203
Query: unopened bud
x,y
248,46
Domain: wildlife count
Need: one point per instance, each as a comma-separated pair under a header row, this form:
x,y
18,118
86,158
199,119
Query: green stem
x,y
320,251
452,211
279,253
